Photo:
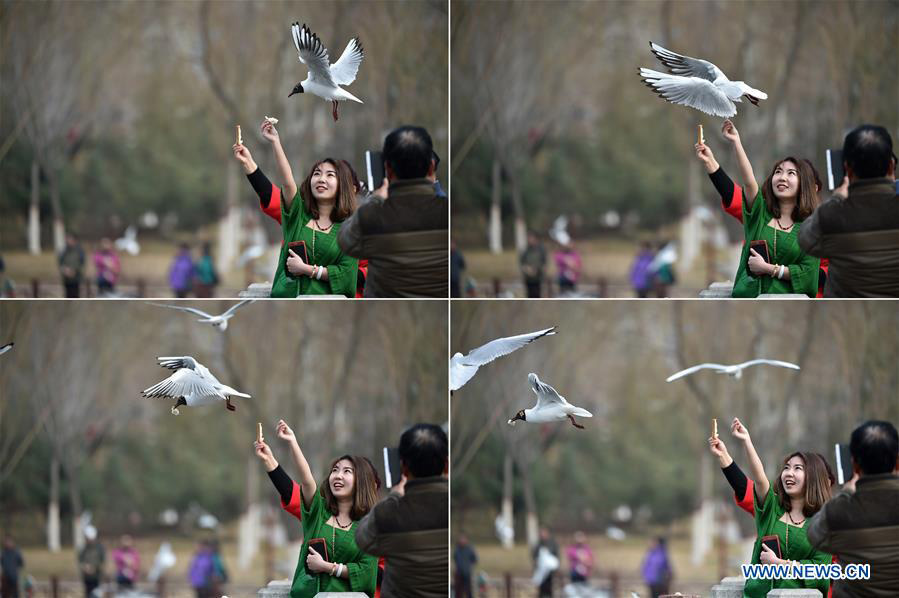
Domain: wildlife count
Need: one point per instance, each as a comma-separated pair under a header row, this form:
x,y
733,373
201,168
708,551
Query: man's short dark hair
x,y
423,449
874,446
409,151
867,150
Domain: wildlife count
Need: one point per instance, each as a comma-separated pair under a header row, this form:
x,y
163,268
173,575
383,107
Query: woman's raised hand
x,y
265,455
284,431
269,131
244,156
705,155
716,445
730,131
739,430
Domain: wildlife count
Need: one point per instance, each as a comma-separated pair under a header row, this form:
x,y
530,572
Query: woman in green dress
x,y
781,510
312,213
773,213
329,516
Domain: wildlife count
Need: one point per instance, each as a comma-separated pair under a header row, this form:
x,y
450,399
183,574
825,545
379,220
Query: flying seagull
x,y
463,367
6,348
698,84
550,407
192,384
734,370
129,241
220,321
325,78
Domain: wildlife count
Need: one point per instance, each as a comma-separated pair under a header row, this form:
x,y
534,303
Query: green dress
x,y
803,267
767,523
362,567
342,269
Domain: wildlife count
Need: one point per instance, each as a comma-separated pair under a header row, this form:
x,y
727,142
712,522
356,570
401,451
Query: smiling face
x,y
793,476
325,183
785,180
342,479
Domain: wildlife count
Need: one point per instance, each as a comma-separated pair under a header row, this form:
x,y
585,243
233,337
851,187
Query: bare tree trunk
x,y
495,232
507,512
59,227
53,541
34,211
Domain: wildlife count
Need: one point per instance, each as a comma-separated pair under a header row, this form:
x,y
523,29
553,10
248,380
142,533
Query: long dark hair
x,y
806,197
365,487
346,197
817,483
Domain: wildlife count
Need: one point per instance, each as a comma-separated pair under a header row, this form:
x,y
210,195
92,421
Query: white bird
x,y
463,367
129,241
559,230
550,407
6,348
220,321
324,79
734,370
165,559
698,84
192,384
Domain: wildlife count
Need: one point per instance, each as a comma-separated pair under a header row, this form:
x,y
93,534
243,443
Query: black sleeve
x,y
283,483
724,185
736,478
261,185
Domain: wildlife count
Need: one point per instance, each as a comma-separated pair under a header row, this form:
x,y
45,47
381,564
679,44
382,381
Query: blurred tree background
x,y
646,446
76,435
113,110
550,116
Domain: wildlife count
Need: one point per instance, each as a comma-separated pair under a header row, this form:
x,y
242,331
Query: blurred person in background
x,y
11,562
205,275
532,262
71,266
580,558
464,557
127,563
91,560
656,568
108,266
181,272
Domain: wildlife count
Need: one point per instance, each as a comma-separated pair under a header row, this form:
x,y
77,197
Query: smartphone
x,y
392,469
761,248
320,546
835,172
299,248
773,542
374,169
844,463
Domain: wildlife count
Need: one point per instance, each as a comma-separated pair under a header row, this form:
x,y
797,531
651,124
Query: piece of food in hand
x,y
701,136
714,421
259,432
271,119
239,136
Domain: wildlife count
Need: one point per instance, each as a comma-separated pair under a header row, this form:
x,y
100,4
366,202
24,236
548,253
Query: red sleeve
x,y
735,208
747,503
295,506
273,209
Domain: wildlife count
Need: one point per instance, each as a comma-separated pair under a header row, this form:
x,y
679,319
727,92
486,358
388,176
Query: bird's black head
x,y
297,89
520,415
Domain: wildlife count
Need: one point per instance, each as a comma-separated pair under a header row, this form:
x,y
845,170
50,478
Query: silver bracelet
x,y
318,275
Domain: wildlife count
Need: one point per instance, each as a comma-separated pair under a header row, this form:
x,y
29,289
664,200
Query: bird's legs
x,y
180,401
334,109
229,406
574,423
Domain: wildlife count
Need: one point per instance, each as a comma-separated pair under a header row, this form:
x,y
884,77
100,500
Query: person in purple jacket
x,y
181,272
657,572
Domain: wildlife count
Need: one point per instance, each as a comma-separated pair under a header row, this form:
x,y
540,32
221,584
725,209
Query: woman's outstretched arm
x,y
755,463
290,187
306,481
750,185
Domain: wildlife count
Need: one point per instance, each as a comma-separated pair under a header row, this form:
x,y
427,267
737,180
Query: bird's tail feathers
x,y
578,411
348,96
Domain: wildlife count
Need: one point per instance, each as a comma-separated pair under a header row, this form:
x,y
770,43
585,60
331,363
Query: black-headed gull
x,y
698,84
463,367
220,321
192,384
550,407
325,78
734,370
6,348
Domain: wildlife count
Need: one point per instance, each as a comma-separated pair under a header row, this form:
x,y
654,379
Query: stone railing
x,y
281,589
263,290
723,290
732,587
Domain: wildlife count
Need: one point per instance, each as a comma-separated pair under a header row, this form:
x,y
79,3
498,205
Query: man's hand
x,y
843,189
382,190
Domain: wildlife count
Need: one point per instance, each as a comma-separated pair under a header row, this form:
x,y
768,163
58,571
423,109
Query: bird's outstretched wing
x,y
546,394
678,64
6,348
177,363
783,364
312,53
694,92
234,307
343,72
696,368
187,309
182,383
503,346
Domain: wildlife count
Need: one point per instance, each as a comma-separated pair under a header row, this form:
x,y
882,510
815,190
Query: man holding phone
x,y
405,235
409,527
858,228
